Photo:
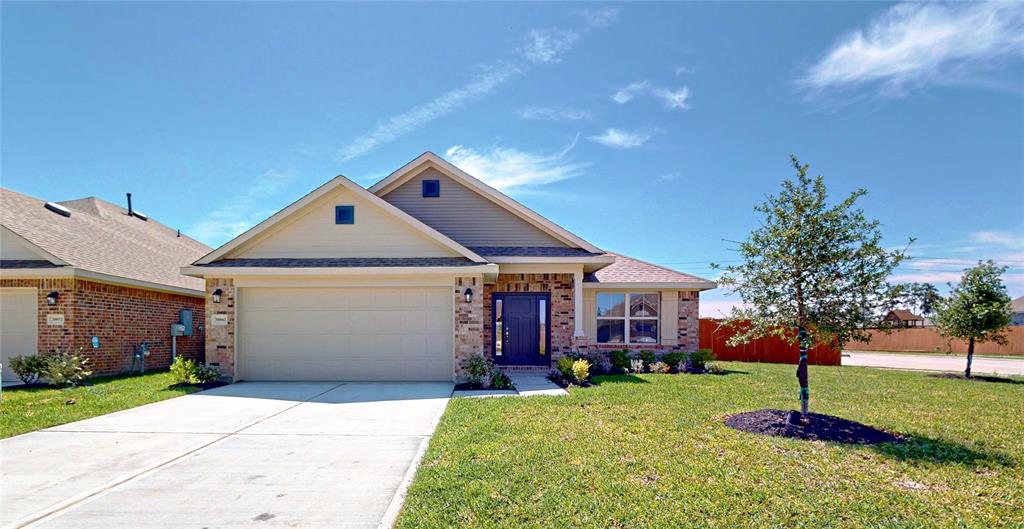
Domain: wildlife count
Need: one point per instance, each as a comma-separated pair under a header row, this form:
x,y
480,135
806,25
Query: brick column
x,y
469,322
220,338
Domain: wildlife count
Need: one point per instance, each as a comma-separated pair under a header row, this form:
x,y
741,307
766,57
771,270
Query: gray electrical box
x,y
185,318
177,329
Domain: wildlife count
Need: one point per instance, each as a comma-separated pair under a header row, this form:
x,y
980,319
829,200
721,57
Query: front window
x,y
638,324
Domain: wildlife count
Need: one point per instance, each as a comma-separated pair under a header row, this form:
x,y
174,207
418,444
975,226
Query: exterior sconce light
x,y
469,295
216,295
51,298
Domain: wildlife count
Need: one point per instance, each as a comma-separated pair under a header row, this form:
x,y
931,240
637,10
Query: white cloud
x,y
668,176
998,238
599,18
241,212
674,98
506,168
552,114
621,139
541,46
547,45
918,44
627,93
481,85
683,70
718,308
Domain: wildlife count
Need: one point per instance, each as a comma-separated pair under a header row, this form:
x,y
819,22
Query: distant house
x,y
1018,311
903,318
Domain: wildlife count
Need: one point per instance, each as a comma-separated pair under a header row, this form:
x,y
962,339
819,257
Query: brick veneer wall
x,y
562,306
120,316
220,339
469,322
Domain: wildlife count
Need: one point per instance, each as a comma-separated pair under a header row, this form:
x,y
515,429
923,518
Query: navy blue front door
x,y
521,331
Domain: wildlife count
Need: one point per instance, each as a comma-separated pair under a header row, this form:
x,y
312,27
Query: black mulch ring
x,y
977,378
205,386
817,428
467,386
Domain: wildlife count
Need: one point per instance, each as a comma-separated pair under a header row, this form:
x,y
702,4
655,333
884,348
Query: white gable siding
x,y
465,216
313,233
14,248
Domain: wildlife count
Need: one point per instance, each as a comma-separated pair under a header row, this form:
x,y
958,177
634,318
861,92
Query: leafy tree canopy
x,y
978,308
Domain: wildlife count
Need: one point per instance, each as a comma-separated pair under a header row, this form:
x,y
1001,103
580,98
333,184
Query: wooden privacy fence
x,y
770,349
929,340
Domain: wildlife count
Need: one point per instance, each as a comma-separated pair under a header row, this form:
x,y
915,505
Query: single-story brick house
x,y
82,269
408,279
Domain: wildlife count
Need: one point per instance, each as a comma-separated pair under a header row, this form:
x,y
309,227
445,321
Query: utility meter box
x,y
177,329
185,318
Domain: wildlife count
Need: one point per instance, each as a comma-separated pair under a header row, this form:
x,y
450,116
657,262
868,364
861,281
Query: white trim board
x,y
411,169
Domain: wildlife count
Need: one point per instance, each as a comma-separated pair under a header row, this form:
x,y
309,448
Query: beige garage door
x,y
18,326
345,334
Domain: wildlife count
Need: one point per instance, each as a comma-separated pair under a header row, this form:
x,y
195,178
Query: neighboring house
x,y
901,318
79,269
409,279
1018,311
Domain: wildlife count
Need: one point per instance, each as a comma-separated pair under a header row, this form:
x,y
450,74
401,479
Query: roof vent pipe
x,y
129,204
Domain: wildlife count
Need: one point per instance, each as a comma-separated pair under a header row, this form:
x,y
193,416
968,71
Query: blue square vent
x,y
344,214
431,188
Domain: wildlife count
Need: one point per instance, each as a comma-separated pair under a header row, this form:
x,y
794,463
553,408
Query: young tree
x,y
977,310
812,267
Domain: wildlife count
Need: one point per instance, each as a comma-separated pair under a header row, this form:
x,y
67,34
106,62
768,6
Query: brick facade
x,y
220,339
469,322
562,307
687,332
120,316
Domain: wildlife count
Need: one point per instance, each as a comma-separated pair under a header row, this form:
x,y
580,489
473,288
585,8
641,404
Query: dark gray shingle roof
x,y
530,251
341,262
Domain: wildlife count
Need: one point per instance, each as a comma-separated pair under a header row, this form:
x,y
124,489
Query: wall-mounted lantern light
x,y
469,295
51,298
216,295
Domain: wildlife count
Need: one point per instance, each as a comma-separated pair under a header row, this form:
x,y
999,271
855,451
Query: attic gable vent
x,y
58,209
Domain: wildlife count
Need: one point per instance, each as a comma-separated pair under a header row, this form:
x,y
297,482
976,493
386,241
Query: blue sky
x,y
650,130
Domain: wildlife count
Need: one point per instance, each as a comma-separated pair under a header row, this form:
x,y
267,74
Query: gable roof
x,y
331,185
100,237
1018,304
411,169
904,315
627,272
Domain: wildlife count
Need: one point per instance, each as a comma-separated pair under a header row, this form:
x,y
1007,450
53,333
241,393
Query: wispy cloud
x,y
622,139
599,18
627,93
933,264
508,168
921,43
668,176
672,98
683,70
1000,238
553,114
241,212
539,47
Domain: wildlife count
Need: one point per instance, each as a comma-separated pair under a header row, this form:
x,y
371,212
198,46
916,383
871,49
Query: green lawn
x,y
26,409
652,451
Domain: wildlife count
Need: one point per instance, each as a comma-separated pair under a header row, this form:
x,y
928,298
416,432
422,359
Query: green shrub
x,y
478,370
599,364
674,360
187,371
648,357
620,359
696,362
580,370
65,368
28,368
564,367
499,380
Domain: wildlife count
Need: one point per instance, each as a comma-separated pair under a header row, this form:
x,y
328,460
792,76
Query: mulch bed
x,y
467,386
976,378
206,386
817,428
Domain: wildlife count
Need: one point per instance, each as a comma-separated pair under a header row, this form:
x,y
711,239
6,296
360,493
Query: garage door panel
x,y
345,334
19,326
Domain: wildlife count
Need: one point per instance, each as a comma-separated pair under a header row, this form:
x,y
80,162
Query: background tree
x,y
922,297
977,309
812,267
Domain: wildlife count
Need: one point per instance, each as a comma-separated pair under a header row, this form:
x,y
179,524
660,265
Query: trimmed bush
x,y
564,367
660,367
648,357
620,359
581,371
187,371
674,360
65,368
481,372
28,368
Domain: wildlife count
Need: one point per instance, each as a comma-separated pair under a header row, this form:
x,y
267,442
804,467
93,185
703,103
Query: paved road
x,y
245,455
986,365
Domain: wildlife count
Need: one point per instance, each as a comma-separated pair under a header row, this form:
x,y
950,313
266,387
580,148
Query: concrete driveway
x,y
980,365
252,454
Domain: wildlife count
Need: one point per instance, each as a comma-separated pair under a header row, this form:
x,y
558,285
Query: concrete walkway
x,y
244,455
980,365
527,384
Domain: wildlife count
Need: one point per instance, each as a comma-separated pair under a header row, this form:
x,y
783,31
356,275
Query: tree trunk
x,y
970,357
801,374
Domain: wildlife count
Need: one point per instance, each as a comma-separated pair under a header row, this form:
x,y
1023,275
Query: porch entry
x,y
522,335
